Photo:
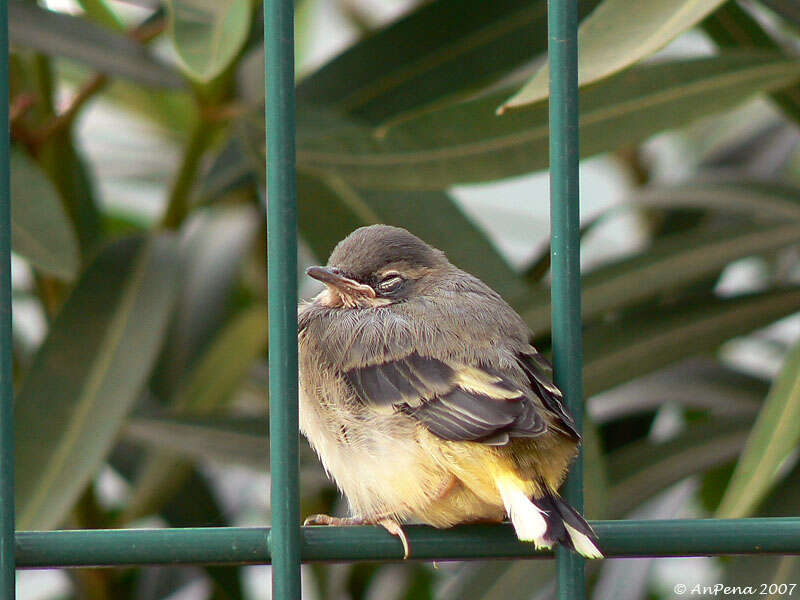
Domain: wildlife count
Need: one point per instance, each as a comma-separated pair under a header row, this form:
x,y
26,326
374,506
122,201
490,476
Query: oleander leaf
x,y
651,339
208,35
466,142
731,26
240,441
63,35
617,34
442,49
757,200
641,470
774,435
89,372
669,263
208,386
41,230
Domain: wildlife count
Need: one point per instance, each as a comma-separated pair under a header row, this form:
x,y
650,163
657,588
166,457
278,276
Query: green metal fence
x,y
285,545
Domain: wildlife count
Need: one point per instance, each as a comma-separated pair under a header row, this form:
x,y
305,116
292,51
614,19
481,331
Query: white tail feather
x,y
583,543
527,518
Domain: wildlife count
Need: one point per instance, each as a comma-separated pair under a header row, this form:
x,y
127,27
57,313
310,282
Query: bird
x,y
425,401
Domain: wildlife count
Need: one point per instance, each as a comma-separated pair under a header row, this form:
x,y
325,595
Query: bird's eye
x,y
390,283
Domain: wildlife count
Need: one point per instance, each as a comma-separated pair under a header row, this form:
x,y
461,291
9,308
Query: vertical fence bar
x,y
282,297
562,25
6,384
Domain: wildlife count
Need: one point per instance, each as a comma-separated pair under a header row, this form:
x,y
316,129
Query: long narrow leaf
x,y
732,27
672,262
616,35
641,470
642,343
226,361
467,142
238,441
774,435
41,231
63,35
788,9
214,242
443,48
88,373
758,200
209,385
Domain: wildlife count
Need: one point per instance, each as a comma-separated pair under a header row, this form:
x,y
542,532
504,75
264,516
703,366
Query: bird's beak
x,y
344,285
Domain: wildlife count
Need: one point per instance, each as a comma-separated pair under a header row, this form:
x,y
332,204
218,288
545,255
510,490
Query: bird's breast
x,y
374,458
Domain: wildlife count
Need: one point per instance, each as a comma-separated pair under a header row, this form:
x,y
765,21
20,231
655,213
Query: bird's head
x,y
378,265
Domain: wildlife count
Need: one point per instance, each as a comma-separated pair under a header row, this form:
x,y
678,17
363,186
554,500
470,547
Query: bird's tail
x,y
547,520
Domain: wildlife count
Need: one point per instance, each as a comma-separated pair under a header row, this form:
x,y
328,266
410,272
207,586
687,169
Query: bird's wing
x,y
540,376
457,402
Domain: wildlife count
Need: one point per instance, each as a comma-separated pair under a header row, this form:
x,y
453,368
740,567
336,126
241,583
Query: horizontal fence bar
x,y
233,545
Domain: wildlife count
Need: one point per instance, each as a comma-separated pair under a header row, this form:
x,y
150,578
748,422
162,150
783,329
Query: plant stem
x,y
61,122
95,84
180,195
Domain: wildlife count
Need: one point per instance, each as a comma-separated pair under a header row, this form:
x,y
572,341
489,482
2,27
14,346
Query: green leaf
x,y
62,35
648,340
41,231
641,470
699,384
88,373
226,361
100,12
774,435
761,200
669,263
441,49
208,35
232,168
595,479
210,385
466,142
214,243
617,34
732,27
240,441
71,176
788,9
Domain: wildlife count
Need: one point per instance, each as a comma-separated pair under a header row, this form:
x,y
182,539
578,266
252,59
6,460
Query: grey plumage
x,y
423,397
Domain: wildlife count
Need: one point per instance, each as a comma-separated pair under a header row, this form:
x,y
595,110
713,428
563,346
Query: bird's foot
x,y
394,528
388,524
335,521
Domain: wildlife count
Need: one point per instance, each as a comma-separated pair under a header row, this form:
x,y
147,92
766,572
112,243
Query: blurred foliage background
x,y
139,269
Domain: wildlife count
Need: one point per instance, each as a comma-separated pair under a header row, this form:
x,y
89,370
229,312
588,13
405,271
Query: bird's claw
x,y
389,525
394,528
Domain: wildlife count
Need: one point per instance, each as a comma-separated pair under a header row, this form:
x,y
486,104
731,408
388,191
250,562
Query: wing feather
x,y
457,403
539,372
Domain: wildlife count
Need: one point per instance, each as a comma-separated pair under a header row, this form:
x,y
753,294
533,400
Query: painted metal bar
x,y
7,565
282,297
562,32
231,545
